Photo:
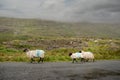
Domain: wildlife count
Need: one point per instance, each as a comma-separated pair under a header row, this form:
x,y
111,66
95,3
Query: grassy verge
x,y
58,55
58,50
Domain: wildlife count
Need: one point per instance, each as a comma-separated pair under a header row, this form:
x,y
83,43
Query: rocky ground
x,y
99,70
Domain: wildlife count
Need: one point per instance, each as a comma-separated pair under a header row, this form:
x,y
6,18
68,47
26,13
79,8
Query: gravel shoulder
x,y
99,70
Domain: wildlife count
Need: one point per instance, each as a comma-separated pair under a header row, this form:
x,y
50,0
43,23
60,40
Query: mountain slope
x,y
32,28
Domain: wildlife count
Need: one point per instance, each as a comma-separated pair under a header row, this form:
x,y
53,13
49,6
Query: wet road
x,y
99,70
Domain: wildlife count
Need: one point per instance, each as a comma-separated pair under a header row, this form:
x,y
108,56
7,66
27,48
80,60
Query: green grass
x,y
100,52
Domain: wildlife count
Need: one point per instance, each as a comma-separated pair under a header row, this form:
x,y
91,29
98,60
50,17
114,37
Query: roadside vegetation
x,y
58,50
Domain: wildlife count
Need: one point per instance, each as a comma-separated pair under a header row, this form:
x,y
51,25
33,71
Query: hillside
x,y
11,28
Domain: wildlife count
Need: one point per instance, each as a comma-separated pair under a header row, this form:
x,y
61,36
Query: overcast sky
x,y
63,10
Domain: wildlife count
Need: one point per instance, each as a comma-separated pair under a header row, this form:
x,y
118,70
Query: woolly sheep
x,y
84,56
35,54
88,56
75,56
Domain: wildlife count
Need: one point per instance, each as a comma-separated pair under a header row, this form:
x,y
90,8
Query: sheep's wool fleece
x,y
36,53
39,53
77,55
88,55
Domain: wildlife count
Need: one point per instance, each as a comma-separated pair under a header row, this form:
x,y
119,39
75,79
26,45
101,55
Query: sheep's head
x,y
80,51
70,54
25,50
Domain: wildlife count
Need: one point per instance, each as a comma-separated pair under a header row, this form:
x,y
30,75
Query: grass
x,y
101,52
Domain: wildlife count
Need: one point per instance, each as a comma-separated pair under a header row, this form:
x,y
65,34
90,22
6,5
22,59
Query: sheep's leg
x,y
87,60
39,60
82,60
42,59
74,60
93,60
32,60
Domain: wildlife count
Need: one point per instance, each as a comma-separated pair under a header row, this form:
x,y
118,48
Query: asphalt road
x,y
99,70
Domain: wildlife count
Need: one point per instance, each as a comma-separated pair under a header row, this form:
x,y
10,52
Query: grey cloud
x,y
63,10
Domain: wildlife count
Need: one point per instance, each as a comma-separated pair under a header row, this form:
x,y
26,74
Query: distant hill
x,y
11,28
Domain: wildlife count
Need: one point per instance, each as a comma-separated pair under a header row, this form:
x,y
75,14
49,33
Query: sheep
x,y
75,56
35,54
84,56
88,56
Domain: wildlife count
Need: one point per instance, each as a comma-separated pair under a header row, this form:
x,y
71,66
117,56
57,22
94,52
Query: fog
x,y
63,10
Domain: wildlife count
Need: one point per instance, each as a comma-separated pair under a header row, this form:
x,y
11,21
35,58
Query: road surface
x,y
99,70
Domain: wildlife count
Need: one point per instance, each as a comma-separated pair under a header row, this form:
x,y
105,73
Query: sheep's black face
x,y
25,50
80,51
70,54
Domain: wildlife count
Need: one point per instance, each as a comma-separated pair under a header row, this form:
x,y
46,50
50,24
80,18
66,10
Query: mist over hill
x,y
14,28
63,10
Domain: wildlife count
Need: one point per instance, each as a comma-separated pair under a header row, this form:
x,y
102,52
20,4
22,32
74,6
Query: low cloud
x,y
63,10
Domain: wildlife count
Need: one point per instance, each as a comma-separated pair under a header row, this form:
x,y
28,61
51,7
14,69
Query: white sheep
x,y
84,56
88,56
35,54
75,56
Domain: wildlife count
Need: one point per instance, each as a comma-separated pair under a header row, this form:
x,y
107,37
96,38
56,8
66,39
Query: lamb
x,y
35,54
88,56
75,56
